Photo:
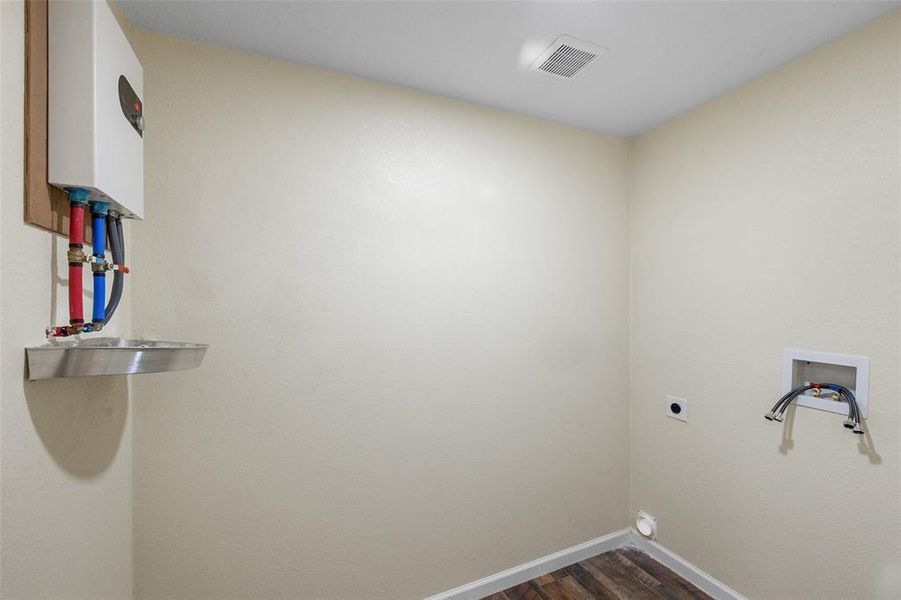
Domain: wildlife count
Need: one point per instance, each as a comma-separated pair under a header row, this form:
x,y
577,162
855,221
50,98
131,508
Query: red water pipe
x,y
76,249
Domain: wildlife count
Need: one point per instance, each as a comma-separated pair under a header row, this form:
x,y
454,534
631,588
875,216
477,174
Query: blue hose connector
x,y
78,195
98,235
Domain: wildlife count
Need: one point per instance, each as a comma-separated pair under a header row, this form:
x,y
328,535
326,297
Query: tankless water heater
x,y
95,106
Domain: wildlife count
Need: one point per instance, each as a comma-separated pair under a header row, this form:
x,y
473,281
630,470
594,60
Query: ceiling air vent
x,y
567,57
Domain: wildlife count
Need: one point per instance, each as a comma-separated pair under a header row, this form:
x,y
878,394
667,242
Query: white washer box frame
x,y
861,364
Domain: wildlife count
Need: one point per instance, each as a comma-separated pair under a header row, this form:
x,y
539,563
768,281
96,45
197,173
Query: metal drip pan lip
x,y
111,356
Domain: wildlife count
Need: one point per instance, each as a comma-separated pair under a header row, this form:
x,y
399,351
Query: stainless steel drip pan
x,y
111,356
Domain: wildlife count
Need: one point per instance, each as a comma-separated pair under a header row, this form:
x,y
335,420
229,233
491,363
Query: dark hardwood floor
x,y
624,574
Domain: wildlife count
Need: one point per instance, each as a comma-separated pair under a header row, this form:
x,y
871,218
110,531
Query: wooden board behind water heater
x,y
45,206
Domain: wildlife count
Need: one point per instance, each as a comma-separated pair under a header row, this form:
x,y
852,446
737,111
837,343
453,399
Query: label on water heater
x,y
132,107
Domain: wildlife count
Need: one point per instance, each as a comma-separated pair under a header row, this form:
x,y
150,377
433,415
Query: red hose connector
x,y
78,199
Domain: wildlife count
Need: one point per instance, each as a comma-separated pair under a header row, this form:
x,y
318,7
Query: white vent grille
x,y
567,57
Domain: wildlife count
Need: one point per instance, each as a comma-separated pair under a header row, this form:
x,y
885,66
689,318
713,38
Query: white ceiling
x,y
665,57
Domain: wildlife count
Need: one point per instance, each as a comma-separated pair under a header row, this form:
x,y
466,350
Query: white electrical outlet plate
x,y
677,408
800,367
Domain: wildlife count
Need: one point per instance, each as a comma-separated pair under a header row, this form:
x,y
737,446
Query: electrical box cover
x,y
95,116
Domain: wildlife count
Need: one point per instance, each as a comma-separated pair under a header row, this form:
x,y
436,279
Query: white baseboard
x,y
687,571
516,575
618,539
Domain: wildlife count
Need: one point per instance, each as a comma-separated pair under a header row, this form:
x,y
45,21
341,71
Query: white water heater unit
x,y
95,106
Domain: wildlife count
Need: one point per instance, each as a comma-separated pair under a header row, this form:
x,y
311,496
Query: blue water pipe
x,y
99,211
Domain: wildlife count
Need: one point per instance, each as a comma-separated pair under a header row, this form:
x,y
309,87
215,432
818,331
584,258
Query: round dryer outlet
x,y
677,408
645,525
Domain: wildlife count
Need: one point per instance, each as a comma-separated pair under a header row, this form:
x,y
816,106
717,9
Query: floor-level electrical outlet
x,y
677,408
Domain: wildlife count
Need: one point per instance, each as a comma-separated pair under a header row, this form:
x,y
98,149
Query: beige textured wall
x,y
765,219
411,385
418,312
65,459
